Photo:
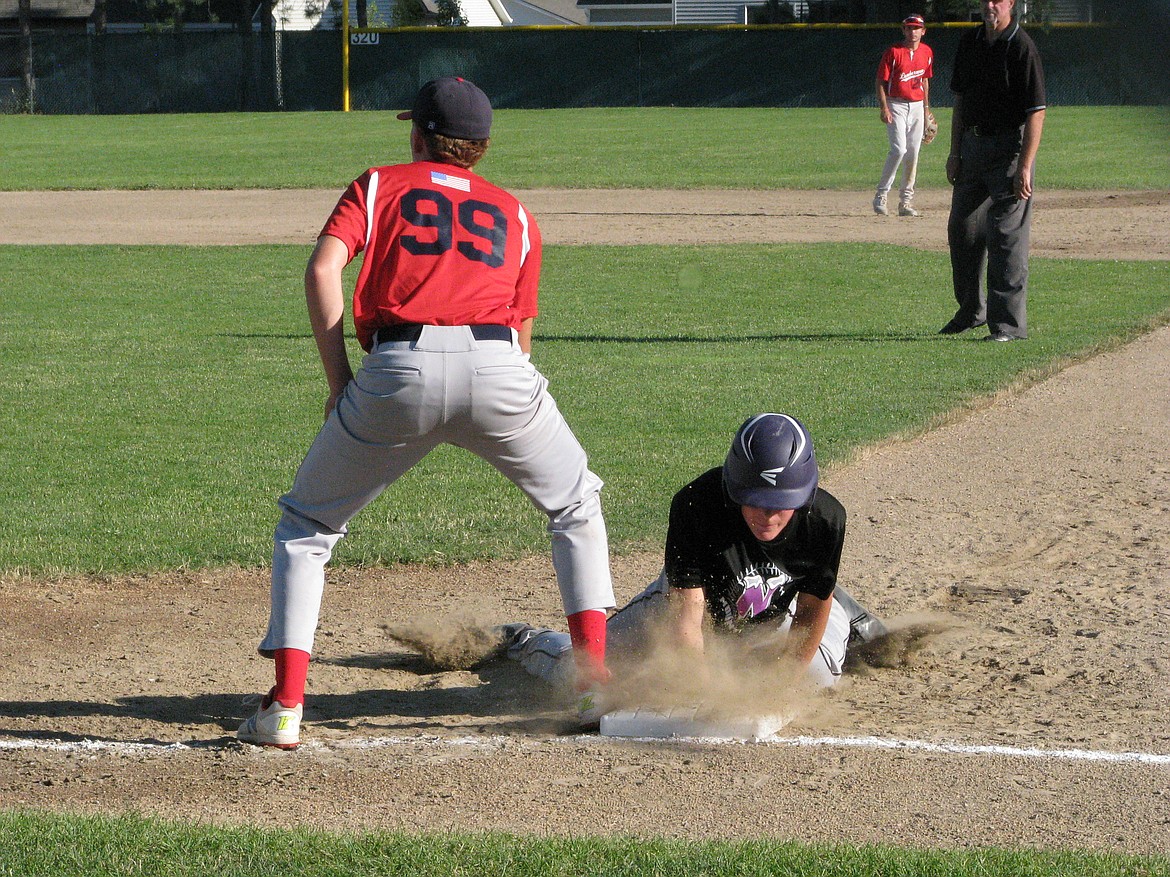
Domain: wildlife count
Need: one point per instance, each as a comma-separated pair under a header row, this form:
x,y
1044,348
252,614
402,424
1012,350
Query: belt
x,y
412,331
991,130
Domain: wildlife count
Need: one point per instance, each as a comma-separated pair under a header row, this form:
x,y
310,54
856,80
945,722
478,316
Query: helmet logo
x,y
770,475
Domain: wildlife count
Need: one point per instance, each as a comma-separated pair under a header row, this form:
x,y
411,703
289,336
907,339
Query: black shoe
x,y
957,326
1001,336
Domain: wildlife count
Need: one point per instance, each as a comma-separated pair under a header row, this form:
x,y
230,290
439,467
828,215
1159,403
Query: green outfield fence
x,y
729,66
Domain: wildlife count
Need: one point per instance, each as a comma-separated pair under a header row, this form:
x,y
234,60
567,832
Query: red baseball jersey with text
x,y
442,246
903,71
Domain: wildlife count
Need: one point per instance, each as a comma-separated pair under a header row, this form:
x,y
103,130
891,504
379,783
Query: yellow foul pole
x,y
345,56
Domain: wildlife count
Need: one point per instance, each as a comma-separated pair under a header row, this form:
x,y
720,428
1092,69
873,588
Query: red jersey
x,y
442,246
903,71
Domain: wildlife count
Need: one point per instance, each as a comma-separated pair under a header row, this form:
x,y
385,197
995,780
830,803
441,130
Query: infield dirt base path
x,y
1035,531
1096,225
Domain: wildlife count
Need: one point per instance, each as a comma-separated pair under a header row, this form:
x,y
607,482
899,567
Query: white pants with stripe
x,y
407,398
905,133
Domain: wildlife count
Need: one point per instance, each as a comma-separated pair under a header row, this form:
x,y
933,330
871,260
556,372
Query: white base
x,y
684,721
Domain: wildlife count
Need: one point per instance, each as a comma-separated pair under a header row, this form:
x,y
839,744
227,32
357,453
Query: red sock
x,y
587,631
292,669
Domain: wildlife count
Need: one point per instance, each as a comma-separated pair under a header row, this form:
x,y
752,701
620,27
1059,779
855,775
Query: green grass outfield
x,y
1083,148
164,395
50,845
161,398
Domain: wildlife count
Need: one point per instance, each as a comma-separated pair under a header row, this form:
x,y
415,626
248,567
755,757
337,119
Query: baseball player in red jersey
x,y
443,307
903,94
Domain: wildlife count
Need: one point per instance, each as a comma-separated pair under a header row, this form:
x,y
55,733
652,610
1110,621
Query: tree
x,y
412,13
247,50
772,12
450,14
408,13
99,17
268,58
170,13
24,13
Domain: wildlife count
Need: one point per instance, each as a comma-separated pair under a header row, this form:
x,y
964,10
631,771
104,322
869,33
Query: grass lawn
x,y
165,402
662,148
51,845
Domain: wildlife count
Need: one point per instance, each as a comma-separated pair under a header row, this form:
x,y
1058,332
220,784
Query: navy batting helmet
x,y
771,464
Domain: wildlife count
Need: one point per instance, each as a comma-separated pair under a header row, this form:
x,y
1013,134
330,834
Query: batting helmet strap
x,y
771,463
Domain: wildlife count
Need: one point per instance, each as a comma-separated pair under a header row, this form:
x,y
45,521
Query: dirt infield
x,y
1095,225
1037,528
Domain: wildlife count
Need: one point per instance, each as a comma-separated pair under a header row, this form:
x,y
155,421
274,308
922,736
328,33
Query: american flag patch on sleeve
x,y
441,179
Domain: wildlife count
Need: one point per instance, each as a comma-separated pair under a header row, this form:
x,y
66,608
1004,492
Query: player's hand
x,y
1023,184
887,116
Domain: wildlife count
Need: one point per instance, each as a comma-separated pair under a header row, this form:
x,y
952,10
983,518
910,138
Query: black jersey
x,y
1001,81
709,546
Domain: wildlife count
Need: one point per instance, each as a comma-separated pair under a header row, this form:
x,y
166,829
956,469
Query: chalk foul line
x,y
973,749
98,747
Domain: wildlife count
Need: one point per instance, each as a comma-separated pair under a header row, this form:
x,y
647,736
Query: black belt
x,y
992,131
412,331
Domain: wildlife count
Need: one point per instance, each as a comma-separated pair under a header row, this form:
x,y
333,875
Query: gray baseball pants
x,y
544,652
989,226
407,398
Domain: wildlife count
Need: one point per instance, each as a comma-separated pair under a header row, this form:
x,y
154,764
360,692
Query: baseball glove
x,y
929,129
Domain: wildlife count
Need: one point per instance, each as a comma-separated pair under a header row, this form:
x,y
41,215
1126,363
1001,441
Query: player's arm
x,y
524,335
925,95
325,297
528,279
688,569
808,628
689,608
957,128
1033,128
882,98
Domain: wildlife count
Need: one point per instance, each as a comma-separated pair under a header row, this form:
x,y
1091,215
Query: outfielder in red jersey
x,y
903,95
443,306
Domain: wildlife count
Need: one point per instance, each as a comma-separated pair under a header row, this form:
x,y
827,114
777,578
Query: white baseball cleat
x,y
879,205
904,209
276,725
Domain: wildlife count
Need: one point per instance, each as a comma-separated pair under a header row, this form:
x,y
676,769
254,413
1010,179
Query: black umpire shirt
x,y
1001,81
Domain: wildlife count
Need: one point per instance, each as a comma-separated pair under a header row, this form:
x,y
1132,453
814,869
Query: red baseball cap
x,y
914,21
452,106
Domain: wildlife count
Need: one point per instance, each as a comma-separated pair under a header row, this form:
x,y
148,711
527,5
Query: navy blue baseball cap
x,y
452,106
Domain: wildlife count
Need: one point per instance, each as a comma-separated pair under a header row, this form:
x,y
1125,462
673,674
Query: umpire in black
x,y
998,117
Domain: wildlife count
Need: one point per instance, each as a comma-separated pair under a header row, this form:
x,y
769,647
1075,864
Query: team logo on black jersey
x,y
758,593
